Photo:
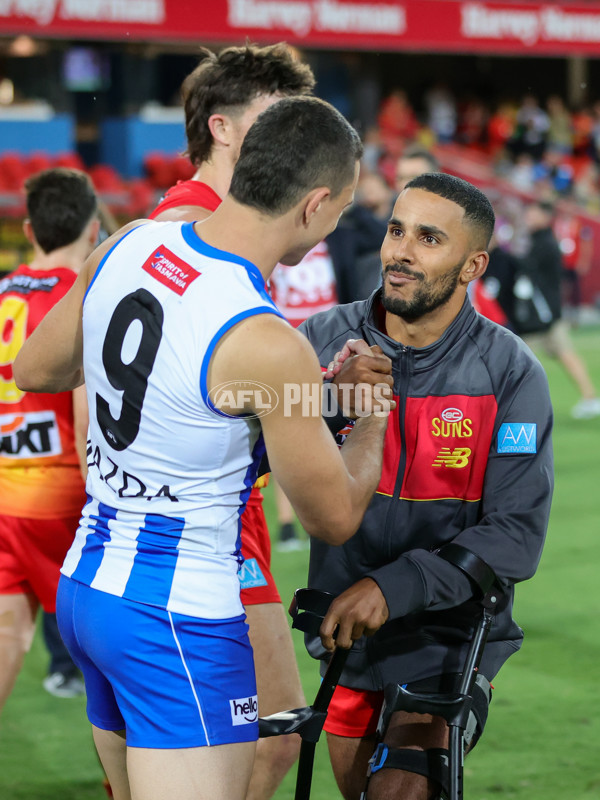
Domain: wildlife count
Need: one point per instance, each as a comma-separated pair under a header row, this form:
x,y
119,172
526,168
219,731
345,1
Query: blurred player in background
x,y
42,436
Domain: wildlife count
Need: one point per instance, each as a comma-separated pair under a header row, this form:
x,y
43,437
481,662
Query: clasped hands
x,y
363,378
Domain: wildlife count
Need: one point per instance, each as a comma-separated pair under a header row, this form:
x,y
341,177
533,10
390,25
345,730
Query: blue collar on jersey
x,y
198,244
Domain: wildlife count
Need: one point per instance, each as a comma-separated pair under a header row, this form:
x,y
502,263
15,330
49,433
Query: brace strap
x,y
432,764
475,568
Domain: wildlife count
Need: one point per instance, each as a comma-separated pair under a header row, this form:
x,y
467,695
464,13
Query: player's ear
x,y
94,232
28,231
219,126
313,202
474,267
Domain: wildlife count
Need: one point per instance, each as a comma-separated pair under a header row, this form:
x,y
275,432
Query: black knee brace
x,y
432,764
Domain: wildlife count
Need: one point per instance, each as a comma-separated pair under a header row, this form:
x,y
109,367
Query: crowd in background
x,y
540,148
537,146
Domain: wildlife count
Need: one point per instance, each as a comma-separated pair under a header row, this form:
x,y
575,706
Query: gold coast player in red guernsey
x,y
42,436
222,98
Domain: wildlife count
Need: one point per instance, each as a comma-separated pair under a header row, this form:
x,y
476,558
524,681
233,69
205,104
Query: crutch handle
x,y
307,721
308,609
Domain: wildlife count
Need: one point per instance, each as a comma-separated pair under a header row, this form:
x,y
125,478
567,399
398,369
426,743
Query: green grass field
x,y
542,741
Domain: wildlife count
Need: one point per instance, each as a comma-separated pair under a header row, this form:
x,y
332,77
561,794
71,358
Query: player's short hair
x,y
478,209
233,78
295,145
60,203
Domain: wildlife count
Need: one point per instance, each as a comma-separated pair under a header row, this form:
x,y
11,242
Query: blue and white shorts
x,y
169,680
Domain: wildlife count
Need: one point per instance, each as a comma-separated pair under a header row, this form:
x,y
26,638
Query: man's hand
x,y
352,347
363,378
359,611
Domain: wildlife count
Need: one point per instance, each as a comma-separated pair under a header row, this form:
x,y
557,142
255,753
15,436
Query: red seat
x,y
160,170
39,161
106,178
183,168
13,167
71,160
141,200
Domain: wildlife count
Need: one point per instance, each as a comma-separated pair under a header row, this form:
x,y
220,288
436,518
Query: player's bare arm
x,y
329,489
51,360
80,426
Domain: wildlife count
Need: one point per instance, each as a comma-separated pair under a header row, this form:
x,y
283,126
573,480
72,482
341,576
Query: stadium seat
x,y
38,161
70,159
13,167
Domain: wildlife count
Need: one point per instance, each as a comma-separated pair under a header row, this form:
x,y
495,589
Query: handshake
x,y
361,378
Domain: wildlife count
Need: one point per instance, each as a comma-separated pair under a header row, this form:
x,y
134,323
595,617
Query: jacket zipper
x,y
405,358
406,354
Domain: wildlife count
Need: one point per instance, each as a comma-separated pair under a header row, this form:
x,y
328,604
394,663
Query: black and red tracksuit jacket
x,y
467,459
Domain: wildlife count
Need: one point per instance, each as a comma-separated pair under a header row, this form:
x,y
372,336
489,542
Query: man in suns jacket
x,y
467,461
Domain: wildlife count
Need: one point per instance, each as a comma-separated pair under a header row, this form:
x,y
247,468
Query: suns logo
x,y
452,424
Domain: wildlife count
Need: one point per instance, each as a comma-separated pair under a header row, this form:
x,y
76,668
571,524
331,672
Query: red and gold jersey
x,y
188,193
39,468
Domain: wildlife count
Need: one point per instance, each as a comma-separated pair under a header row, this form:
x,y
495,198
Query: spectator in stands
x,y
586,188
472,122
531,130
414,161
441,112
356,242
374,194
521,174
583,123
595,133
560,128
553,175
396,117
500,129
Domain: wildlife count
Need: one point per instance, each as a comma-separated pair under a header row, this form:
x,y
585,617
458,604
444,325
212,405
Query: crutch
x,y
307,610
446,767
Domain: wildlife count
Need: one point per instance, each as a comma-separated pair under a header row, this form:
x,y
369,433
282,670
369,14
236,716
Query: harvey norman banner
x,y
432,25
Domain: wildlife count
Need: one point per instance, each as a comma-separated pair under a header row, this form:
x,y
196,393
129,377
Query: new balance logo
x,y
244,710
455,459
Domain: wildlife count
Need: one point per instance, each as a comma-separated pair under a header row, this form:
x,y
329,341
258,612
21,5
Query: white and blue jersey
x,y
168,474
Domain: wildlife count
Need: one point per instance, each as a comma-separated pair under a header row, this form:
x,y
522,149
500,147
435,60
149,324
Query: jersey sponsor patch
x,y
31,435
26,284
517,437
244,710
251,575
170,270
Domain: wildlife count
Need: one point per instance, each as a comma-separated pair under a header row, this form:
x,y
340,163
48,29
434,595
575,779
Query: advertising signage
x,y
441,26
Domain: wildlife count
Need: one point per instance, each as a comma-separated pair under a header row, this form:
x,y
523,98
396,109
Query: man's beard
x,y
428,296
